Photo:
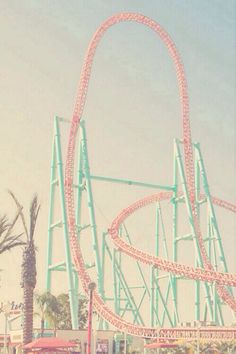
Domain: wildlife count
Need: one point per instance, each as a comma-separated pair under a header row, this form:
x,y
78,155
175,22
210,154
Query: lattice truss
x,y
139,290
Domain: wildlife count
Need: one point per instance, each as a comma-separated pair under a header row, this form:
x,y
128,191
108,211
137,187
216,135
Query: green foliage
x,y
207,347
56,311
64,318
48,308
83,312
212,346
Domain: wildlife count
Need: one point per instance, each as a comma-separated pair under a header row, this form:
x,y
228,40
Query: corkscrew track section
x,y
206,272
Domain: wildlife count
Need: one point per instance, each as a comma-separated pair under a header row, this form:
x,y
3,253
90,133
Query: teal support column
x,y
71,290
119,286
57,180
53,182
215,295
191,222
103,325
76,296
211,208
156,271
103,260
152,297
117,310
197,282
215,233
154,300
175,232
80,188
93,226
166,255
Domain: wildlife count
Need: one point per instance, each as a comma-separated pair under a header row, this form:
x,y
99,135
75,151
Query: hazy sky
x,y
132,110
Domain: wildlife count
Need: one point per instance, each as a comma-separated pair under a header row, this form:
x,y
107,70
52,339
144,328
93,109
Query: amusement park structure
x,y
189,193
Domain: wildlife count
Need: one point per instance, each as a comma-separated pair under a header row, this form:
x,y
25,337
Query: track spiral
x,y
206,273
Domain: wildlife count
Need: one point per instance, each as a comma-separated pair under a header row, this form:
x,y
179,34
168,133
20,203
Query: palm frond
x,y
12,224
4,224
20,208
34,210
8,247
7,240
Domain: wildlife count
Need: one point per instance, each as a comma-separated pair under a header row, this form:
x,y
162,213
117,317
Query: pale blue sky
x,y
132,111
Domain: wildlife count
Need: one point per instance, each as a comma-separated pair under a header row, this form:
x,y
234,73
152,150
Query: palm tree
x,y
8,239
28,267
48,307
56,311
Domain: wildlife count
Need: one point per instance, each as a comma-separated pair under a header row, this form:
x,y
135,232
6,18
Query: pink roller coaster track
x,y
207,274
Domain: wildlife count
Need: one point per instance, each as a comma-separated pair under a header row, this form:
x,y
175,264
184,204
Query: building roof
x,y
49,343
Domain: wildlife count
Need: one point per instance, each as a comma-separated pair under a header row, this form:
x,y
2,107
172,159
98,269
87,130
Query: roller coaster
x,y
210,272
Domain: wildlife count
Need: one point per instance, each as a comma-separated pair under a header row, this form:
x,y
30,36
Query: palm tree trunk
x,y
28,314
42,326
28,268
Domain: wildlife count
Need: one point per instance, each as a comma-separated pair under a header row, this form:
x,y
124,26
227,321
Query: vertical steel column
x,y
152,297
215,295
216,237
119,287
90,317
86,170
118,265
189,211
175,231
57,163
156,272
53,182
76,296
71,290
153,308
211,208
197,198
103,325
80,188
115,282
103,260
208,242
170,283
